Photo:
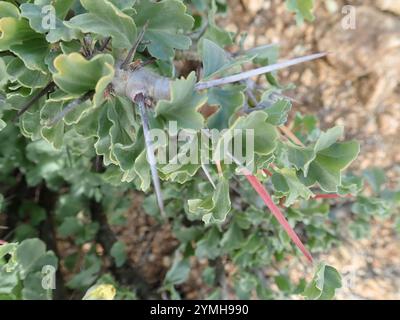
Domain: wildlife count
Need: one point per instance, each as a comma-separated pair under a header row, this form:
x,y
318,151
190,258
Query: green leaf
x,y
306,127
327,139
229,99
300,157
324,284
209,245
233,238
142,169
123,4
8,281
286,183
327,167
178,273
180,168
76,75
118,252
54,134
17,71
183,106
302,8
13,31
278,112
222,202
37,16
62,6
86,277
245,284
324,162
370,206
265,135
8,10
105,19
103,144
283,282
165,20
2,124
100,292
28,253
18,37
215,208
122,131
8,248
217,62
351,185
33,289
360,229
3,74
69,227
213,57
215,33
376,178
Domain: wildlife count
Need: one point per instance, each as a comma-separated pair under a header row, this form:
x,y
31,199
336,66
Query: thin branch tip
x,y
134,48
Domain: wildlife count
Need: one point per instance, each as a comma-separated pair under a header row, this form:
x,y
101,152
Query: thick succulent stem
x,y
146,82
141,81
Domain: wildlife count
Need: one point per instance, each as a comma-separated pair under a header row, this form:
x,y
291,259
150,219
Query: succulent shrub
x,y
82,86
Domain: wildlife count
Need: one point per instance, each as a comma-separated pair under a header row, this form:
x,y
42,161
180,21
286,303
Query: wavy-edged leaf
x,y
183,105
218,62
375,178
37,15
215,208
215,33
229,99
76,75
105,19
103,144
54,134
329,163
17,36
324,284
30,121
178,273
278,112
28,253
27,78
209,245
323,162
123,130
165,20
185,164
253,126
286,183
121,142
